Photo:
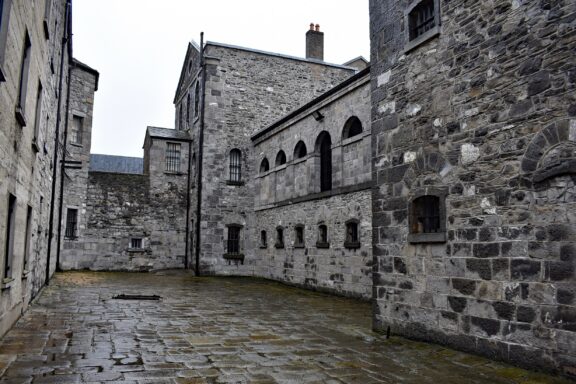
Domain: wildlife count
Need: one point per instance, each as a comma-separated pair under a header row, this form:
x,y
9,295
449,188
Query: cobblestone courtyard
x,y
208,330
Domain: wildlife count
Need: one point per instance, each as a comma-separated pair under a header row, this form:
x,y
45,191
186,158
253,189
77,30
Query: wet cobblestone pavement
x,y
215,330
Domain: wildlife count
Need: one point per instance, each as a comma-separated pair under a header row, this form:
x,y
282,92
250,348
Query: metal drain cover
x,y
137,297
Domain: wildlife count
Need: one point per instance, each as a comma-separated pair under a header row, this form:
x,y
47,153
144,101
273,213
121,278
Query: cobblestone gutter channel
x,y
219,330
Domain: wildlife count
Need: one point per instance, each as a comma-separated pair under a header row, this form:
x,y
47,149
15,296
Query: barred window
x,y
299,236
233,244
235,165
426,215
71,223
421,19
136,243
279,237
322,241
172,157
352,235
76,131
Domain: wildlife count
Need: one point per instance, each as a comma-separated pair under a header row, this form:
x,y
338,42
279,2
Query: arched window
x,y
300,150
196,98
188,110
324,147
352,128
235,166
264,166
279,237
322,241
280,158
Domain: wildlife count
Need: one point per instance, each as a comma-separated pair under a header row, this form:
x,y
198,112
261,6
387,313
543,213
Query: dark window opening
x,y
299,236
23,83
9,237
38,117
71,231
196,98
235,165
233,243
426,215
264,166
279,238
280,158
28,237
136,243
421,19
172,157
322,236
352,235
324,145
353,127
300,150
76,131
188,109
263,239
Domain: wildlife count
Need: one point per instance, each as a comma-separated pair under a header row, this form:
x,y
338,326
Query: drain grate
x,y
137,297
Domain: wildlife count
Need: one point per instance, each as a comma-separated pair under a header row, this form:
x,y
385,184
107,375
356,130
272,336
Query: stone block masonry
x,y
478,118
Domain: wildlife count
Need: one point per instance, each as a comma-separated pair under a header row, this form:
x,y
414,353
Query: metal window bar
x,y
235,166
233,242
352,232
299,235
323,234
428,213
280,237
136,243
173,157
71,223
422,19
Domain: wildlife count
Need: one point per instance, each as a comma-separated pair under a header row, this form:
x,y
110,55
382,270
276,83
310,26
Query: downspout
x,y
63,166
200,154
56,141
188,204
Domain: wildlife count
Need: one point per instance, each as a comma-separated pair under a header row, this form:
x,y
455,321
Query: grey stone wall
x,y
483,113
82,88
245,90
27,151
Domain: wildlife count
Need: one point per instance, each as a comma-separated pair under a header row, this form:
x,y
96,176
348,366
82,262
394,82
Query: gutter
x,y
200,155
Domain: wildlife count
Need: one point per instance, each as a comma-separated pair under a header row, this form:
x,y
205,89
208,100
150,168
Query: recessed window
x,y
9,237
28,237
299,236
188,109
300,150
352,234
136,243
426,219
235,166
279,237
264,166
37,118
172,157
196,98
353,127
280,158
233,241
71,231
322,241
263,239
423,20
324,148
23,84
76,130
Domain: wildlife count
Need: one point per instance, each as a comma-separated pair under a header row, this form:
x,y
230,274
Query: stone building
x,y
35,58
474,153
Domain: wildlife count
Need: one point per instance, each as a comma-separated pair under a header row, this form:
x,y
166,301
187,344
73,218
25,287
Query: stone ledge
x,y
439,237
6,283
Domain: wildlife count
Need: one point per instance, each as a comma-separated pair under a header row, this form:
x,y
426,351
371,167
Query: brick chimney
x,y
315,43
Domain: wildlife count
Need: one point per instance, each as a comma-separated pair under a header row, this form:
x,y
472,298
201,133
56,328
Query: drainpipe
x,y
63,167
200,154
188,204
65,39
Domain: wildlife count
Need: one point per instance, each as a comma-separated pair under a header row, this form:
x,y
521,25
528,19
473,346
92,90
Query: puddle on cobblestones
x,y
220,330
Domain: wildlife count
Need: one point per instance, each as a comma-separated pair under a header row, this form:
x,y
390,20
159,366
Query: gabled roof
x,y
167,133
116,164
192,46
359,58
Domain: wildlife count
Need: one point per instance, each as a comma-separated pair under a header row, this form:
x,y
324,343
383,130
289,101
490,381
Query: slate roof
x,y
116,164
167,133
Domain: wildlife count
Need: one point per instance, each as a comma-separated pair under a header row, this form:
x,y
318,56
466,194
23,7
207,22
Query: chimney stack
x,y
315,43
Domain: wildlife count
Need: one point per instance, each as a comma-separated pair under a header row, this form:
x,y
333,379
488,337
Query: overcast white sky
x,y
138,47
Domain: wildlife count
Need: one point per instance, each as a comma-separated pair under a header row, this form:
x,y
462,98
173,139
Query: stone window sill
x,y
76,145
353,139
170,173
278,246
19,114
300,160
75,238
428,35
439,237
263,246
299,246
322,245
352,244
136,250
233,182
6,283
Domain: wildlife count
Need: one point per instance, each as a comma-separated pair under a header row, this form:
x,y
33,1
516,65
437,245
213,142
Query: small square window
x,y
136,243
